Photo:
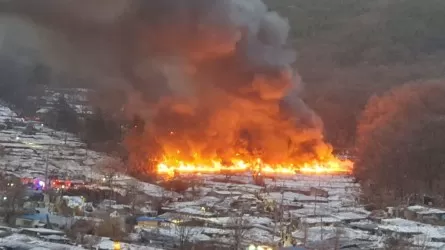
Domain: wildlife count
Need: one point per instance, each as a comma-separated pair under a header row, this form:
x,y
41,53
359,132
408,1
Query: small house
x,y
404,228
223,193
151,222
316,221
41,232
115,214
349,217
39,220
318,192
106,204
31,220
148,211
367,226
424,214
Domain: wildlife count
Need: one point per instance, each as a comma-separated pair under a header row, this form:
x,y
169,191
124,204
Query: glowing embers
x,y
171,166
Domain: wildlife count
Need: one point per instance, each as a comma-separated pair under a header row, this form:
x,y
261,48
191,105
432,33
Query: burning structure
x,y
213,80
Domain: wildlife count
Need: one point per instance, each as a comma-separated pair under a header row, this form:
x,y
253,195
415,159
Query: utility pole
x,y
91,166
47,182
46,169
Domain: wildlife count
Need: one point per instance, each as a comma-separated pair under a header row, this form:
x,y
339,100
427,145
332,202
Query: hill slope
x,y
352,49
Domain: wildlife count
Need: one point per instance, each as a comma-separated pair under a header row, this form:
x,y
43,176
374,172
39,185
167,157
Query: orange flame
x,y
171,166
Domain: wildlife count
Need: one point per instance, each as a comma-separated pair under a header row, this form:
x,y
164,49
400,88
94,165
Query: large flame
x,y
224,99
170,165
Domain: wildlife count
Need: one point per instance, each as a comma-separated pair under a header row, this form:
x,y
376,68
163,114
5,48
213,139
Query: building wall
x,y
20,222
148,223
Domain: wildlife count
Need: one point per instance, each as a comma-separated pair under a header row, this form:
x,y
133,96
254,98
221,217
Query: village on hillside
x,y
89,206
222,125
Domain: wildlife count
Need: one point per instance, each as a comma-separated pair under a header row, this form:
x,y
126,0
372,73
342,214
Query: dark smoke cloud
x,y
209,70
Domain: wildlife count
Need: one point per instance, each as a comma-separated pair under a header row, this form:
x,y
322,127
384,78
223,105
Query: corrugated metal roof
x,y
33,216
145,218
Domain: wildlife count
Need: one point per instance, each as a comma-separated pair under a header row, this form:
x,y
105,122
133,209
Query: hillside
x,y
30,147
352,49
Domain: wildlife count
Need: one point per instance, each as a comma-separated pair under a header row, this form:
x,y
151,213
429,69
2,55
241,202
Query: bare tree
x,y
305,235
13,193
396,243
112,228
2,151
184,233
195,187
400,142
238,225
132,190
339,232
142,148
110,168
79,229
421,242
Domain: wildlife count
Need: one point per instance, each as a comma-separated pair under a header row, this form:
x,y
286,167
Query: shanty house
x,y
151,222
314,221
30,220
424,214
318,192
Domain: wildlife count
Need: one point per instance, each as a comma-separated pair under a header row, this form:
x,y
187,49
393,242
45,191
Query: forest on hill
x,y
350,50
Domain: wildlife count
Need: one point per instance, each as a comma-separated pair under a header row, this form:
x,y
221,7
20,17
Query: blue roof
x,y
41,217
145,218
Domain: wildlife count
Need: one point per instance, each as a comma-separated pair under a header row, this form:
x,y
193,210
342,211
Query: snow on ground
x,y
215,201
425,210
248,221
62,153
290,197
27,155
207,201
411,227
148,188
20,241
228,200
319,234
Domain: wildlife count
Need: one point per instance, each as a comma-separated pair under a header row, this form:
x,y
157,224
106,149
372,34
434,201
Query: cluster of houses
x,y
215,212
312,218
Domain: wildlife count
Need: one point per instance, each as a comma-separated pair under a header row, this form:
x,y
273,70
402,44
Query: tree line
x,y
400,144
373,71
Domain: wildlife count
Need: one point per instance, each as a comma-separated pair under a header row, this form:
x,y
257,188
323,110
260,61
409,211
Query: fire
x,y
171,166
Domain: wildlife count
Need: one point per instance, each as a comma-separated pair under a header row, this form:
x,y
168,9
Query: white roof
x,y
350,216
425,210
319,233
406,226
194,211
320,219
44,230
247,220
43,111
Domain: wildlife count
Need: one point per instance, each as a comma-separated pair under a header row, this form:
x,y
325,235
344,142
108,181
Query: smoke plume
x,y
213,77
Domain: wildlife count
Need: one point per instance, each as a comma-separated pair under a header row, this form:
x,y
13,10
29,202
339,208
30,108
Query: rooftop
x,y
33,216
145,218
43,231
425,210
